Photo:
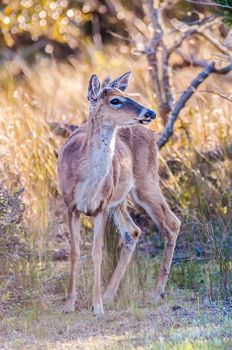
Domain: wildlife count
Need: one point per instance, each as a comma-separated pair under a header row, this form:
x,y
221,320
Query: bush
x,y
13,244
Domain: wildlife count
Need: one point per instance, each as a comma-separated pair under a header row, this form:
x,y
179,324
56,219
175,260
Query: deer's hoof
x,y
69,306
98,310
156,298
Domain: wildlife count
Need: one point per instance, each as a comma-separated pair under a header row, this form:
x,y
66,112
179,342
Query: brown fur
x,y
96,176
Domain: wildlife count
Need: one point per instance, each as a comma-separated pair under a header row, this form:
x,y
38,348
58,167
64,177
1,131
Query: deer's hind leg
x,y
74,226
99,229
130,233
156,206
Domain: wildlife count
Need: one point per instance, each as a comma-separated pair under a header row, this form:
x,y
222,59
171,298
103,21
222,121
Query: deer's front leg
x,y
99,228
75,227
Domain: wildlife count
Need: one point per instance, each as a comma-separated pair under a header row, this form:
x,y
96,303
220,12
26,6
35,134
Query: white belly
x,y
88,197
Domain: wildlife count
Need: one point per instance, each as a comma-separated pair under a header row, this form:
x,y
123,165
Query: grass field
x,y
178,324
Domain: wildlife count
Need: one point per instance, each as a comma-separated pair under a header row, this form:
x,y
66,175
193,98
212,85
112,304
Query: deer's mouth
x,y
145,121
146,116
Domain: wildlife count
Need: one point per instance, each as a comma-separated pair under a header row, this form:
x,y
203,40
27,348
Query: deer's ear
x,y
93,89
121,83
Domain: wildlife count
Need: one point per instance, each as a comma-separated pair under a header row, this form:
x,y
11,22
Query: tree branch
x,y
197,28
168,130
151,52
216,43
223,70
157,57
189,60
217,93
211,3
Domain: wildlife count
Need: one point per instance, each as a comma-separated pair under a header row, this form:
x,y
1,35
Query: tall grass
x,y
200,191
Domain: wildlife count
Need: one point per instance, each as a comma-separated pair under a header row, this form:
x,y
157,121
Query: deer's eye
x,y
116,103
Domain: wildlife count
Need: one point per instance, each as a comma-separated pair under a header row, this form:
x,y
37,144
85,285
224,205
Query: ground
x,y
177,323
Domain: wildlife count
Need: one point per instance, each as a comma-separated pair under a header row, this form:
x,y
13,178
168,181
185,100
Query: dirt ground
x,y
180,323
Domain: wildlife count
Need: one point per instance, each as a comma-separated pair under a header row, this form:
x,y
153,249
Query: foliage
x,y
202,189
225,9
25,138
70,22
14,248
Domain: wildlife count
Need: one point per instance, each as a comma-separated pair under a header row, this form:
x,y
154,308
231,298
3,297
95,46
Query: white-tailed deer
x,y
106,160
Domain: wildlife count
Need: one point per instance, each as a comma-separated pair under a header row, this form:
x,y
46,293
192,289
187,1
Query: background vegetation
x,y
48,49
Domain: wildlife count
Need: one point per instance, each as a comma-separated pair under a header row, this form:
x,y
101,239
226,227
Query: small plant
x,y
15,251
13,243
225,7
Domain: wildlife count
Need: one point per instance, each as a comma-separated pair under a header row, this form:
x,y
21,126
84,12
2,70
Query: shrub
x,y
14,247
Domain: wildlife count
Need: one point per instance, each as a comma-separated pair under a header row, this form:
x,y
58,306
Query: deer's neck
x,y
95,167
100,145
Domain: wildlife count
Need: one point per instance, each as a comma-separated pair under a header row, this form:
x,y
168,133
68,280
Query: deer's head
x,y
111,106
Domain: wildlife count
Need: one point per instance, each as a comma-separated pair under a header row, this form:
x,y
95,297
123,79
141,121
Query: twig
x,y
168,130
218,94
120,36
199,2
216,43
97,38
223,70
158,71
199,28
189,61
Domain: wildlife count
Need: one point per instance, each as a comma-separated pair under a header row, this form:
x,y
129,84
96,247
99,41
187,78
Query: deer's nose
x,y
150,114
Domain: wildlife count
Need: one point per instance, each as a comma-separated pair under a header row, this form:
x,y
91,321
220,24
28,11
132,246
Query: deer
x,y
110,158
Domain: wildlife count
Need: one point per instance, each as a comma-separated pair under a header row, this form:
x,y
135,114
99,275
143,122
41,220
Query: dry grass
x,y
57,92
200,192
180,324
49,92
